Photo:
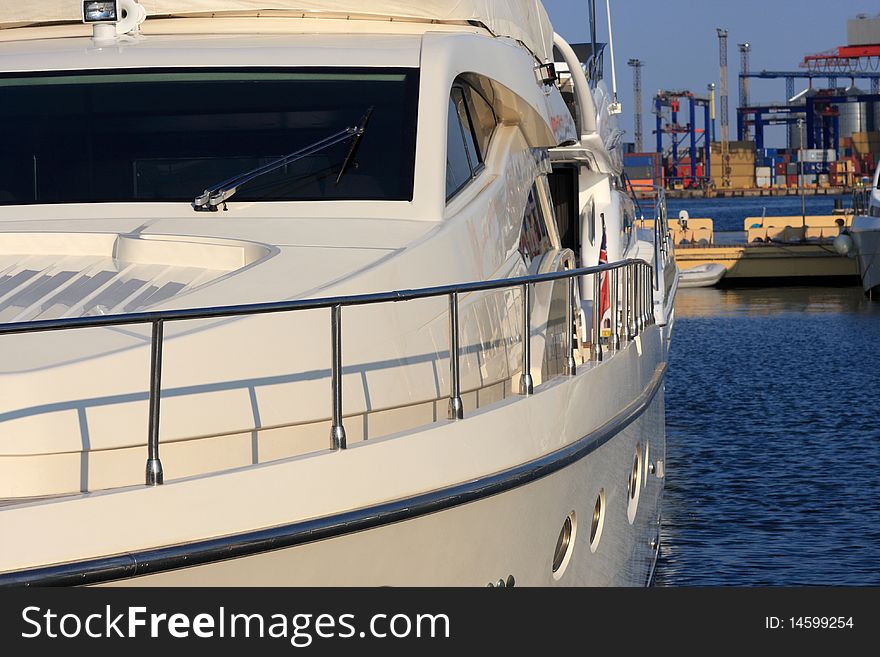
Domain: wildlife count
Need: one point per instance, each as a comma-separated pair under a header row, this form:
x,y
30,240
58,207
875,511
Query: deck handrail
x,y
631,316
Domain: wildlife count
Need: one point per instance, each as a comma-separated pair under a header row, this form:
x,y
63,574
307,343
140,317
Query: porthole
x,y
634,485
598,521
564,545
646,460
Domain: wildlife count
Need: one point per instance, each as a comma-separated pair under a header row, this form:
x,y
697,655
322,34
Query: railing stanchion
x,y
628,302
624,304
337,430
635,299
615,309
570,365
154,474
456,408
596,349
644,297
527,385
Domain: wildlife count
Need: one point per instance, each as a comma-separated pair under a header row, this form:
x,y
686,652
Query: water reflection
x,y
713,302
772,402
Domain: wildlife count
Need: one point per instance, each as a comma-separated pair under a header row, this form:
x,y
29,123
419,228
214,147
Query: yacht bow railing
x,y
631,304
662,238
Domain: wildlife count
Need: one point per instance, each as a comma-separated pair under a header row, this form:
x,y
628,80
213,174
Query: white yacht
x,y
865,236
301,293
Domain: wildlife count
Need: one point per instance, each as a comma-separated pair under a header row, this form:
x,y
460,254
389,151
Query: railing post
x,y
615,309
637,297
596,349
527,386
646,283
456,408
570,365
631,327
624,304
154,474
337,430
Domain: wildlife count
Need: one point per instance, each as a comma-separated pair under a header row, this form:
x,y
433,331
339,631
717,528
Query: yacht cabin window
x,y
534,240
168,134
470,125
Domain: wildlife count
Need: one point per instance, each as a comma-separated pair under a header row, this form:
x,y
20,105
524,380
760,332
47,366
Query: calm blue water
x,y
773,420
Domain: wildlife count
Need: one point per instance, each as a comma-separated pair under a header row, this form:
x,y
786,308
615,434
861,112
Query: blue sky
x,y
676,39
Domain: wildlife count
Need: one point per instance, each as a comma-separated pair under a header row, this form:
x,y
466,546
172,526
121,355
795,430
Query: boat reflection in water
x,y
714,302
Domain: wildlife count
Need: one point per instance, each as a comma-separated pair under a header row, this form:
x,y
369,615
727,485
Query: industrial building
x,y
832,126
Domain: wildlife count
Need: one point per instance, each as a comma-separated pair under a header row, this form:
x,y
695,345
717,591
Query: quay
x,y
769,250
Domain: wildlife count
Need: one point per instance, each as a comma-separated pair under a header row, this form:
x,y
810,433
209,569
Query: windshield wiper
x,y
361,129
212,198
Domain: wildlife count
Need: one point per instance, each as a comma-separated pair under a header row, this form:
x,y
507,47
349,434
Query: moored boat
x,y
864,236
328,282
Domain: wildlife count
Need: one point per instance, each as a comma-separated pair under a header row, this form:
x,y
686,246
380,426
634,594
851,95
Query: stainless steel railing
x,y
662,239
633,288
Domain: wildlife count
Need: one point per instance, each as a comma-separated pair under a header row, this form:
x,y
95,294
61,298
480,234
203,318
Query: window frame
x,y
464,88
540,186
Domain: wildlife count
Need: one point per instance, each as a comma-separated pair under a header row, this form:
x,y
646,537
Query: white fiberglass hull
x,y
866,238
510,476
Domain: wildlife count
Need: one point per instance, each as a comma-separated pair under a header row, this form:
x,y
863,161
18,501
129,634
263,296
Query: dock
x,y
770,250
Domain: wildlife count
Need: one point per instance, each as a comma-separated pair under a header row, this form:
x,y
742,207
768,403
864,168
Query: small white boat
x,y
702,275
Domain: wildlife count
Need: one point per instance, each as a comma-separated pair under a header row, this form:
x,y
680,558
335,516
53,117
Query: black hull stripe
x,y
147,562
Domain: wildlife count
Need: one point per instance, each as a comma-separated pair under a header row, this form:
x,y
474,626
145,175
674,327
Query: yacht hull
x,y
866,238
591,436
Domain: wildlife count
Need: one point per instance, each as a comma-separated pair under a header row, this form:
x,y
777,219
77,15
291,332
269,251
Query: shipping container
x,y
808,180
639,173
816,155
638,161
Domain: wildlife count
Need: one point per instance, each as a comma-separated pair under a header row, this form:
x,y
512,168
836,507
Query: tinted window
x,y
483,118
458,168
129,135
467,146
458,97
534,239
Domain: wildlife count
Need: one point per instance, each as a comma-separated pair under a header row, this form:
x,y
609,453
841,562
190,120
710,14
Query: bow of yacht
x,y
862,239
292,293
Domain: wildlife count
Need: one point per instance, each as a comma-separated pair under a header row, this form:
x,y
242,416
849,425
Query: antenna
x,y
592,7
614,107
637,65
